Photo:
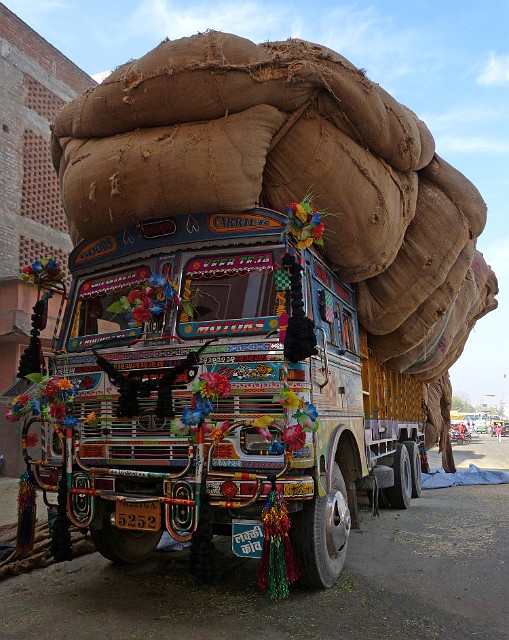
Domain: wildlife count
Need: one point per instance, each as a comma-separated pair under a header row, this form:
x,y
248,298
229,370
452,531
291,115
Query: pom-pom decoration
x,y
305,223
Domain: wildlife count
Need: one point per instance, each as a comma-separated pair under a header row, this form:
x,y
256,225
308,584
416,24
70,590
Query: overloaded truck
x,y
272,273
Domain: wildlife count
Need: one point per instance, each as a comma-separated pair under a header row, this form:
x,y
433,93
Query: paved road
x,y
435,571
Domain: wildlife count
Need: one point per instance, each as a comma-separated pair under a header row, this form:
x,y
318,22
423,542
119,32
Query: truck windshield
x,y
230,295
98,317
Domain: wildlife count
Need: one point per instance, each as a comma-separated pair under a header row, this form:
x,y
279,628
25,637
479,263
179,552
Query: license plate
x,y
138,516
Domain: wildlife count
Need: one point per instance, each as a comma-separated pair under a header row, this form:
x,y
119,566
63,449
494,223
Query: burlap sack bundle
x,y
438,402
415,328
110,183
477,292
205,76
426,256
369,205
381,123
460,190
486,304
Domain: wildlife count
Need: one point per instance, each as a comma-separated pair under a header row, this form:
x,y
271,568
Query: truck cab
x,y
177,313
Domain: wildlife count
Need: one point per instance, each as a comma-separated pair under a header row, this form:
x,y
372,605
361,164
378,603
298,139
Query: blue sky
x,y
448,61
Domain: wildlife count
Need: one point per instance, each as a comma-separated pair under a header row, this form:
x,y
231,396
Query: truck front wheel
x,y
320,535
124,547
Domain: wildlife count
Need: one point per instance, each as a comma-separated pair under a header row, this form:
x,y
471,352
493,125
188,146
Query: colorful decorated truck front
x,y
211,368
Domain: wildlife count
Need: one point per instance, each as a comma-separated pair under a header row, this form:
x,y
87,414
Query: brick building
x,y
37,80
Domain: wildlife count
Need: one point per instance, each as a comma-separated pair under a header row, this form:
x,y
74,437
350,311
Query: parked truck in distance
x,y
186,397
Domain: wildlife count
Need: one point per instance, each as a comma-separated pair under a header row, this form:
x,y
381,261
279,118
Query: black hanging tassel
x,y
61,546
32,360
300,339
128,405
202,547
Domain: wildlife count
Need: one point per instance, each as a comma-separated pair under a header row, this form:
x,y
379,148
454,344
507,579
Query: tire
x,y
320,534
415,462
384,478
124,547
400,494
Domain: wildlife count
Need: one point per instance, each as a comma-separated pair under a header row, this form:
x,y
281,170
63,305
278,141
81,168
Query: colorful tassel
x,y
278,565
27,507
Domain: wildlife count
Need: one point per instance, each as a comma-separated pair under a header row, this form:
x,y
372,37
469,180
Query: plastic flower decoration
x,y
294,437
50,401
305,223
287,398
151,298
43,270
210,386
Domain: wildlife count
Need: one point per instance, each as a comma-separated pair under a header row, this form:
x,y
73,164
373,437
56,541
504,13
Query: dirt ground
x,y
436,570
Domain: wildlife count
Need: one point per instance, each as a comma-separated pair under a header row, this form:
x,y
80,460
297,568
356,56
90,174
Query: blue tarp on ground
x,y
438,478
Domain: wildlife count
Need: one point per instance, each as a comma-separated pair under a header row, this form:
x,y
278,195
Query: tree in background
x,y
461,402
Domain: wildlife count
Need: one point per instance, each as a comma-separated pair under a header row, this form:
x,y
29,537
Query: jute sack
x,y
425,258
413,331
381,123
110,183
477,292
205,76
438,402
460,190
202,77
369,205
487,303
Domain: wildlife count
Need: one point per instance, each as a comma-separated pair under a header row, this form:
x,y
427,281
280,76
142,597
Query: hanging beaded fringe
x,y
278,565
27,508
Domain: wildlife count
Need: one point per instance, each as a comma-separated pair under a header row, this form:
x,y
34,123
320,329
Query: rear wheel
x,y
400,494
320,535
122,546
415,466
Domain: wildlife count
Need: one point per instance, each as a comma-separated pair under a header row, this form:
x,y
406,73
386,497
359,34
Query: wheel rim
x,y
338,523
408,477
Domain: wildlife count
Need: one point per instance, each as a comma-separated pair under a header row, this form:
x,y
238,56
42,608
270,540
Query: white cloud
x,y
163,18
470,144
496,70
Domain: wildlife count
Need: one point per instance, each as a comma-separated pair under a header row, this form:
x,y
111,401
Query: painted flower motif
x,y
294,437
